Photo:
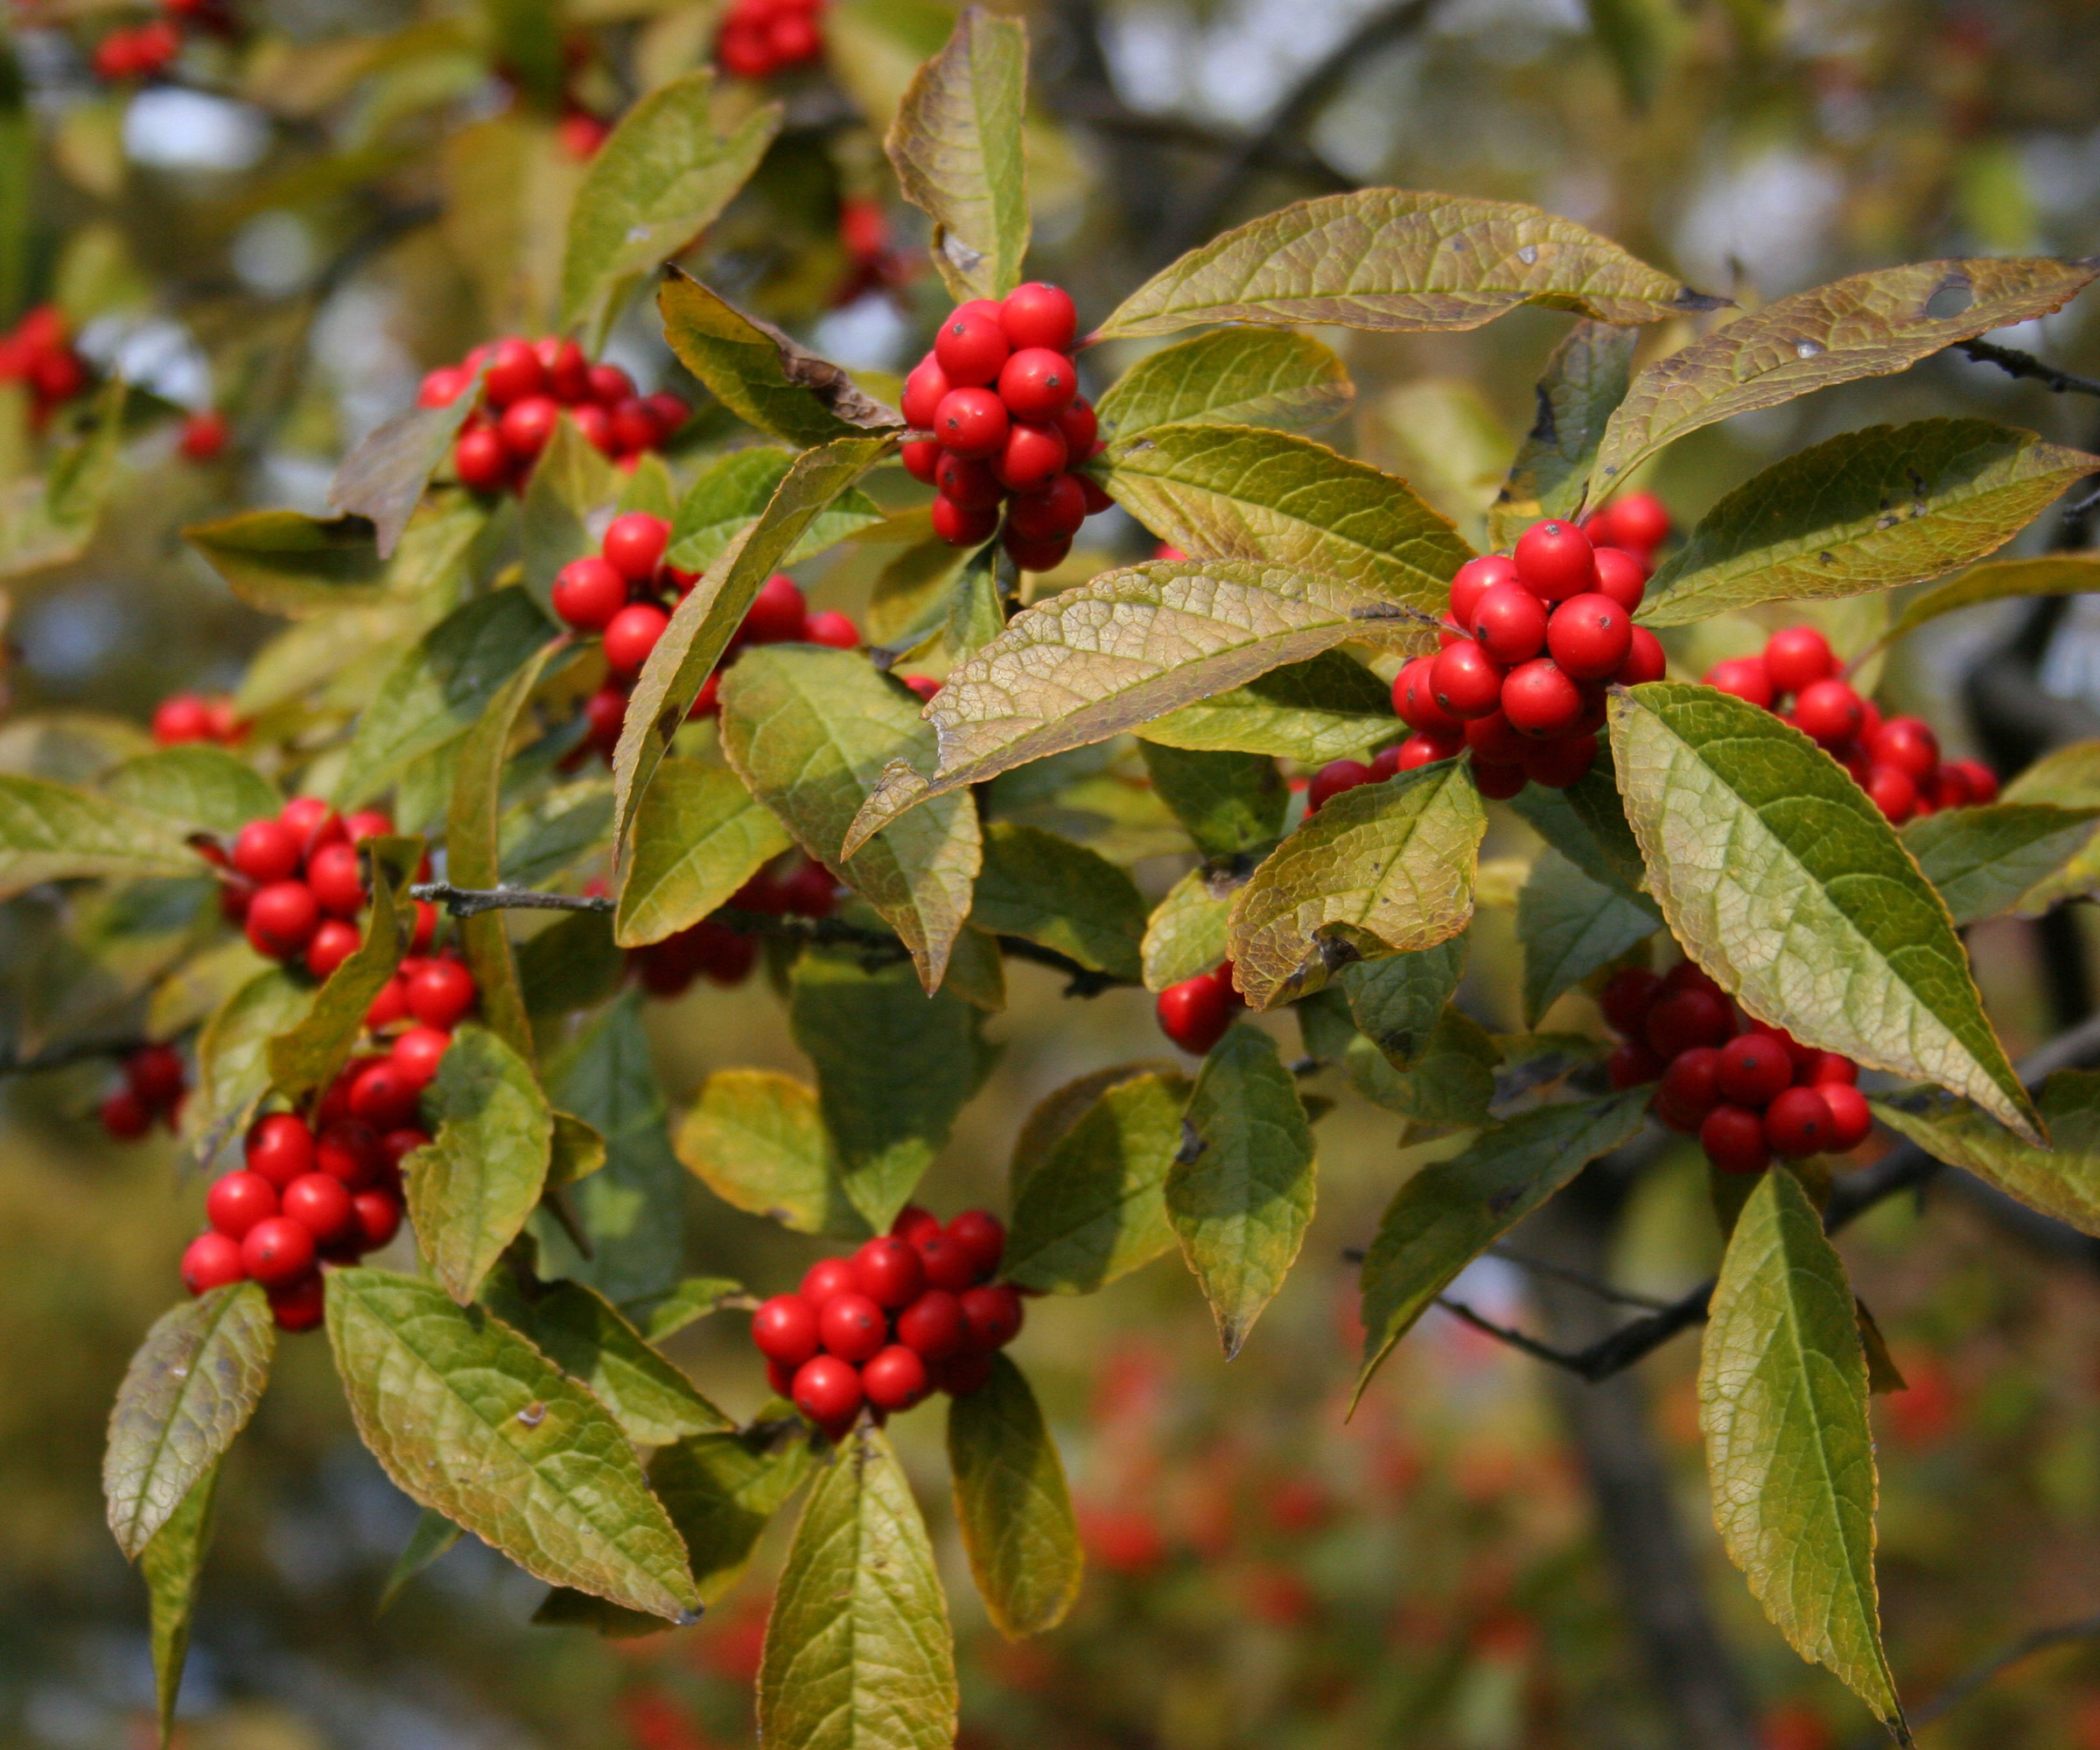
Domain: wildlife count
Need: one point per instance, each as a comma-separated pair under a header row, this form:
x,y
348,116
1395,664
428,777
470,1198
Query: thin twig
x,y
1570,1359
2034,1641
1576,1279
2018,364
471,902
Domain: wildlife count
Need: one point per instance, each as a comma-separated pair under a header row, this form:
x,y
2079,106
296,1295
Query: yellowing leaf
x,y
1785,883
732,492
1329,708
1383,868
1186,933
1392,259
956,146
1871,509
1235,492
1047,890
50,832
1012,1505
757,1141
1235,376
232,1061
2062,1180
2056,574
699,837
170,1565
1131,646
1782,1400
1868,325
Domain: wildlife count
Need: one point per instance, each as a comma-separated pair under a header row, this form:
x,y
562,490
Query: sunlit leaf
x,y
1329,708
1186,933
699,837
233,1055
2062,1180
1233,377
1012,1505
2054,574
757,1140
732,492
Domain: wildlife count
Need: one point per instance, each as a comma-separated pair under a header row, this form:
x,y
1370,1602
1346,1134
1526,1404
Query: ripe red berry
x,y
778,614
280,1148
526,426
1628,997
971,346
1539,698
1415,699
1645,660
833,630
1908,745
441,993
1555,561
960,526
1495,740
282,919
179,719
895,1378
418,1052
924,390
981,1234
1978,779
1621,576
1472,580
155,1074
1563,761
920,456
480,460
320,1203
1509,623
1798,1122
212,1261
1753,1068
334,942
633,425
915,1224
889,1272
1334,778
1829,712
1638,519
968,481
1851,1119
238,1200
1038,315
441,387
1083,433
1425,747
972,422
1033,456
851,1326
313,821
1037,383
299,1305
1686,1018
382,1096
1734,1137
1194,1013
1054,513
588,592
1466,682
634,543
378,1219
336,879
632,635
951,1266
354,1152
1632,1065
362,824
278,1251
1893,792
826,1280
1798,656
267,850
991,1317
515,371
827,1391
785,1330
1589,636
933,1324
1744,676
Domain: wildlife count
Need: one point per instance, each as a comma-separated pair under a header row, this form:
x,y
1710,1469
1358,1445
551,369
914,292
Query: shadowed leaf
x,y
2062,1180
1584,379
1329,708
2008,855
170,1565
198,786
2058,574
1047,890
1570,925
1012,1505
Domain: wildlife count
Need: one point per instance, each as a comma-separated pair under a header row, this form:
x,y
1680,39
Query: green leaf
x,y
699,837
1048,891
1447,1077
893,1067
810,730
471,1187
575,1152
1239,1192
732,492
199,786
2068,776
1868,325
548,835
2054,574
1129,646
50,832
2003,857
761,375
1452,1210
310,1054
170,1564
1586,824
1235,492
858,1652
956,147
383,477
1187,931
286,563
191,1388
1786,884
1388,258
1399,1000
1329,708
1012,1506
438,691
1230,803
757,1141
470,1420
233,1056
1090,1200
1868,510
1384,868
662,178
1570,925
433,1536
694,1298
568,966
572,484
652,1402
1782,1400
2062,1180
1236,377
1584,379
707,617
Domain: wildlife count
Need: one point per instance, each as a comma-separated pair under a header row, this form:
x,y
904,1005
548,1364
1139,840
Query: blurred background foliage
x,y
326,197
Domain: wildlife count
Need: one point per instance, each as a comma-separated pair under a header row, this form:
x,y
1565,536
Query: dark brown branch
x,y
2018,364
471,902
65,1056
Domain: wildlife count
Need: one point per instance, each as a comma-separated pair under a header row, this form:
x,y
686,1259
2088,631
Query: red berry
x,y
1980,780
1472,580
1035,556
212,1261
1194,1013
337,879
441,994
278,1251
267,850
933,1324
300,1304
833,630
889,1272
155,1074
968,481
568,370
1829,1069
382,1096
1753,1068
1686,1019
1332,778
1744,676
951,1266
442,386
915,1224
781,1379
1797,657
895,1378
1497,783
314,821
418,1052
1829,712
1415,699
362,824
515,371
280,1148
238,1200
1509,623
1734,1137
1083,433
480,460
596,426
1038,315
1054,513
610,385
1425,747
1893,792
378,1219
1798,1122
1908,745
961,526
1621,577
827,1390
1466,682
320,1203
971,346
826,1280
1851,1119
1033,456
778,614
1539,699
179,719
1555,561
528,425
352,1153
1037,383
924,390
785,1330
1638,519
632,635
1495,740
991,1317
334,942
634,426
282,919
981,1234
1627,999
851,1326
920,456
1590,636
1563,761
634,543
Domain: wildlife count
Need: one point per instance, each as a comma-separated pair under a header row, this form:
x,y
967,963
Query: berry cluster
x,y
38,350
1896,761
296,881
760,37
530,385
789,886
1535,635
1749,1093
624,592
910,1314
1195,1013
1000,395
196,717
144,51
153,1086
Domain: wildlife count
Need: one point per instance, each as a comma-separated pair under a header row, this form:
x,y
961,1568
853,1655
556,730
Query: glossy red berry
x,y
442,386
1908,745
1509,623
1334,778
1753,1068
1851,1119
1640,520
1038,315
382,1096
280,1148
1734,1137
1415,699
970,481
1539,698
1798,656
480,460
972,422
1083,433
1686,1018
1496,782
354,1152
1472,580
1037,383
180,719
337,879
991,1317
238,1200
960,526
1495,740
1194,1013
1829,712
889,1272
971,346
278,1251
526,426
1555,561
313,821
1626,999
1621,576
299,1305
785,1330
1054,513
333,942
1031,457
1798,1122
951,1266
825,1280
360,824
851,1326
212,1261
515,371
634,543
1589,636
267,850
441,993
1425,747
915,1224
924,390
632,635
895,1378
1691,1088
933,1324
418,1052
320,1203
1893,792
1466,682
920,456
282,919
588,592
1744,676
1980,781
378,1219
981,1234
827,1391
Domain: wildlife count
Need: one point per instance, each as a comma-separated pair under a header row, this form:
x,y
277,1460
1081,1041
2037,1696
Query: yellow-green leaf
x,y
2055,574
1060,895
699,837
2007,857
1187,931
1236,377
1329,708
170,1565
572,484
732,492
757,1140
233,1055
1782,1400
1389,258
198,786
2062,1180
283,563
1784,882
50,832
1012,1506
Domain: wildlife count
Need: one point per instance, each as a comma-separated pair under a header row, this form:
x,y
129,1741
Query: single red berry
x,y
278,1251
889,1272
267,850
1033,456
1829,712
634,426
1686,1019
960,526
933,1324
1509,623
212,1261
920,456
333,942
825,1280
382,1096
610,385
238,1200
1979,779
1539,698
1798,1122
1744,676
300,1304
1466,682
1627,998
515,371
1034,555
1590,635
827,1390
320,1203
442,386
362,824
1563,761
778,614
968,481
1797,657
1054,513
1754,1069
155,1074
1908,745
1082,433
832,630
971,346
279,1148
378,1218
1472,580
781,1379
951,1266
632,635
851,1326
595,425
1332,778
1425,747
1498,783
895,1378
1495,740
1194,1013
1621,576
982,1236
1415,698
1037,383
1645,660
1640,520
314,821
204,435
1950,787
1038,315
1734,1137
1893,792
1828,1070
1555,561
634,543
480,460
282,919
441,994
568,370
355,1154
785,1330
1851,1119
337,879
418,1052
180,719
913,1223
526,426
991,1317
924,390
1691,1088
